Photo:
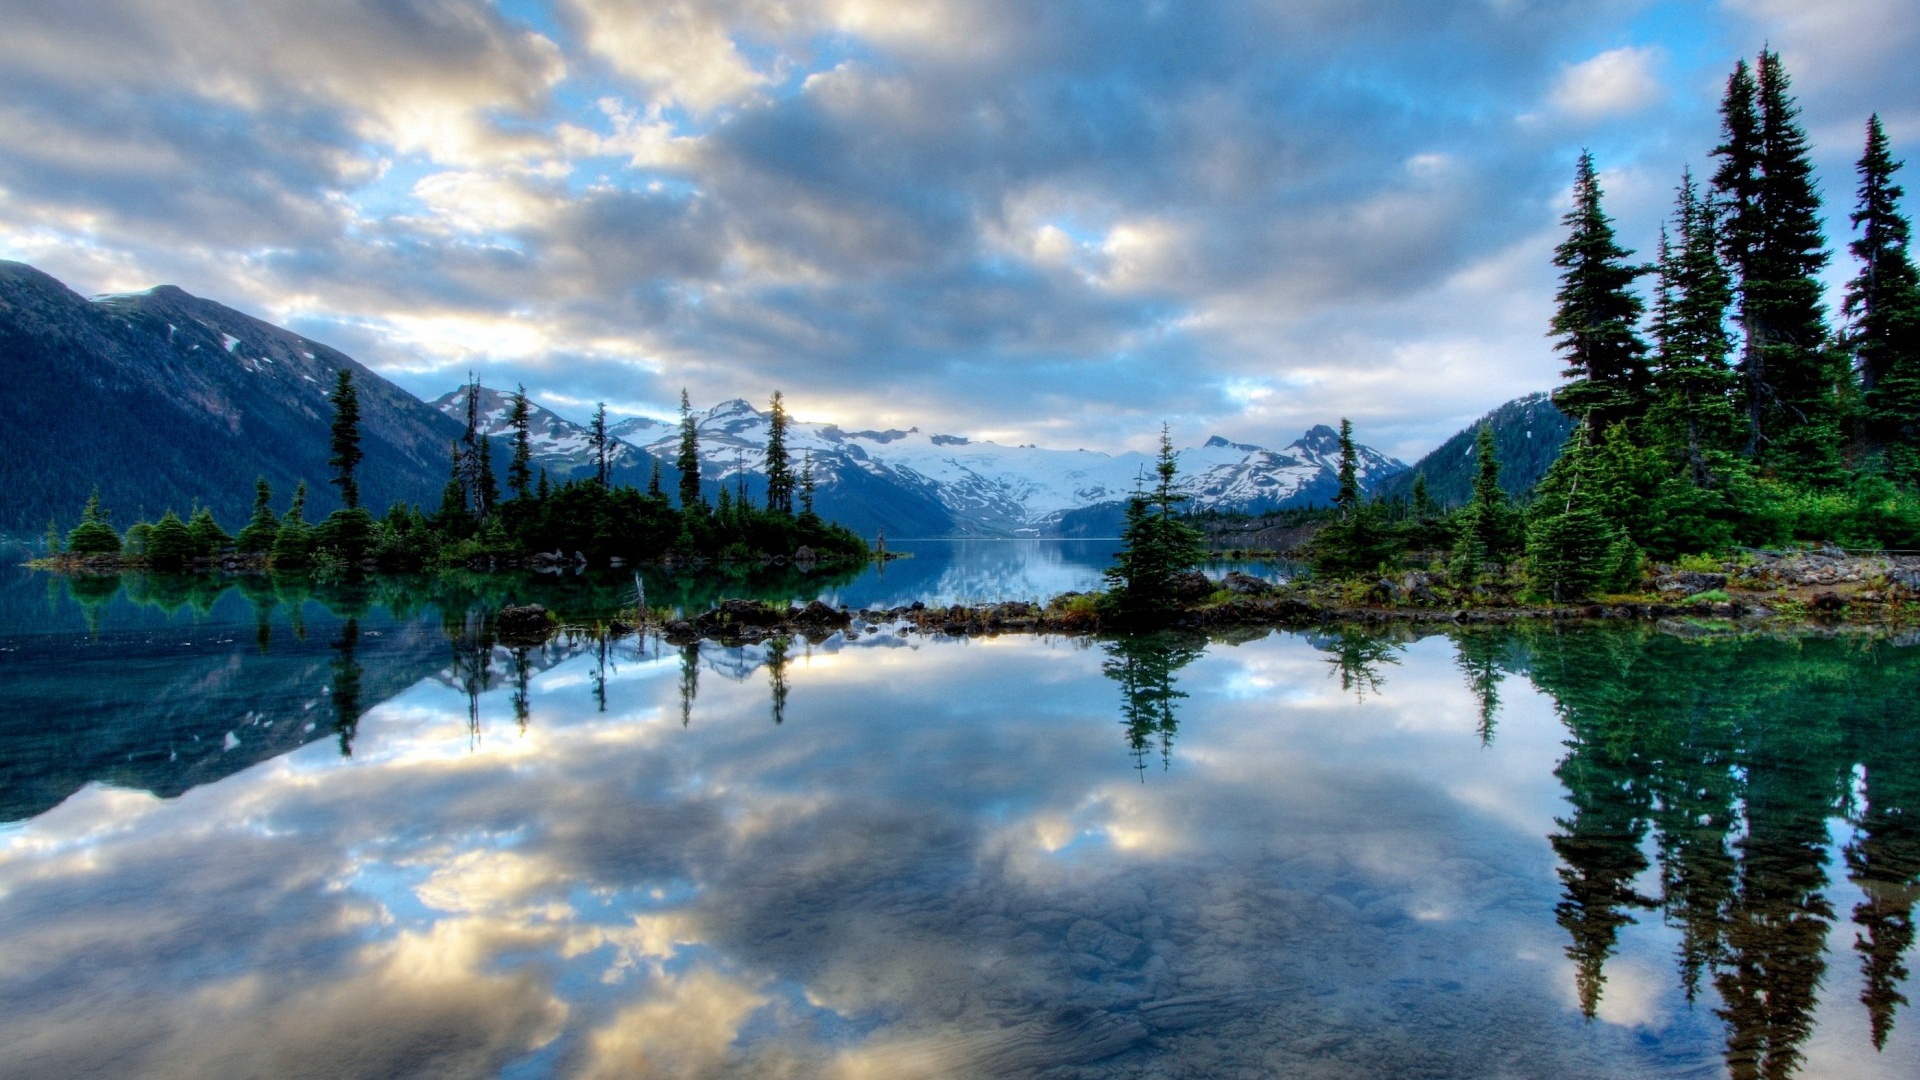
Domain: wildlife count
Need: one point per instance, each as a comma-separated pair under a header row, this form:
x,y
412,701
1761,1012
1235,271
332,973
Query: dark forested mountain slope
x,y
1527,435
164,399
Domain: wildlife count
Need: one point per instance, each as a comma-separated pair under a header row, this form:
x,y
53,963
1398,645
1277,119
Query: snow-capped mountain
x,y
985,488
562,447
912,483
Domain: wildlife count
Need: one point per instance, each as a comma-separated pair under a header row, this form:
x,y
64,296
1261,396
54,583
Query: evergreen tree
x,y
688,460
1348,497
1573,549
258,535
169,545
1598,311
779,466
53,537
294,544
486,488
1487,528
1883,303
345,441
1157,546
1806,373
543,488
466,457
1423,505
653,482
597,440
1360,539
806,486
94,535
520,469
1736,185
208,538
1692,381
1792,381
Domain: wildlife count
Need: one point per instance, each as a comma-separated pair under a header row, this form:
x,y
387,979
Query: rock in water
x,y
524,620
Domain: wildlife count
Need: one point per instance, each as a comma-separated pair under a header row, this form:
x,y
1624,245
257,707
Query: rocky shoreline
x,y
1812,589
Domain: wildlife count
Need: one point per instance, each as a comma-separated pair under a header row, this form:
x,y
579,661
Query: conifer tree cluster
x,y
590,517
1746,418
1159,546
1715,405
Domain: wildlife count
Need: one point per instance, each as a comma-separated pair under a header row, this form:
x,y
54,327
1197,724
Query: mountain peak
x,y
733,407
1218,442
1320,439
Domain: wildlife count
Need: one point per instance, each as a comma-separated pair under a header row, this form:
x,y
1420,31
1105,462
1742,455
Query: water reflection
x,y
1738,757
1677,857
1358,656
346,686
1144,668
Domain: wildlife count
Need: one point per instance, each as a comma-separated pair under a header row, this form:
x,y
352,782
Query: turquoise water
x,y
345,839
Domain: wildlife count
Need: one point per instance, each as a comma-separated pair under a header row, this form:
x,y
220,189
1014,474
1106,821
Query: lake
x,y
291,829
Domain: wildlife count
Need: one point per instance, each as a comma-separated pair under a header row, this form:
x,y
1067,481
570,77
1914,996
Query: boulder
x,y
523,620
1689,582
1241,584
738,614
1192,587
818,614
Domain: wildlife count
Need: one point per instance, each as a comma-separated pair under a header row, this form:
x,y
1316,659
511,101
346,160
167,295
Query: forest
x,y
477,524
1722,410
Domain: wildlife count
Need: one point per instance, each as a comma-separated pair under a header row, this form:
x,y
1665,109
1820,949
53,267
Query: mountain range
x,y
167,400
911,483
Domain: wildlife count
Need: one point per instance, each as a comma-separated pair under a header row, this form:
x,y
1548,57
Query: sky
x,y
1052,221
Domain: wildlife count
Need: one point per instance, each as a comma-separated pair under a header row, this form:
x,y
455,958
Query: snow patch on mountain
x,y
1023,490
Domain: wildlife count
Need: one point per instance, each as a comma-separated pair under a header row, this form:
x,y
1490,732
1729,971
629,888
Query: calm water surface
x,y
295,830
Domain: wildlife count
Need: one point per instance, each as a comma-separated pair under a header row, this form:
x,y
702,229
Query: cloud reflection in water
x,y
941,861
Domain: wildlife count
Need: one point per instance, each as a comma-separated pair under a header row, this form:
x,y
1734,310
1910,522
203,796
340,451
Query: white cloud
x,y
1618,81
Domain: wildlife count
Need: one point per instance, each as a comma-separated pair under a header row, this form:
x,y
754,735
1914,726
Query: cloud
x,y
1618,81
892,211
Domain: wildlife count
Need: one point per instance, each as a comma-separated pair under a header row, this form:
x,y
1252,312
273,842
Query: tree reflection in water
x,y
345,687
777,676
1357,655
1733,756
1144,667
1479,654
689,680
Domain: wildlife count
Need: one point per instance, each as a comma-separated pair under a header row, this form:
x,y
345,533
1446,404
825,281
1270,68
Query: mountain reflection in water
x,y
1582,852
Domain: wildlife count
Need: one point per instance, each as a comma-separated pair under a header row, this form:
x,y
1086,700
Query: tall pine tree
x,y
1792,381
779,465
1595,326
345,440
597,440
520,469
1488,526
688,459
1158,545
264,526
1883,304
1691,379
1348,496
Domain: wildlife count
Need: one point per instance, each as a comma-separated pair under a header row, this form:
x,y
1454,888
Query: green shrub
x,y
169,544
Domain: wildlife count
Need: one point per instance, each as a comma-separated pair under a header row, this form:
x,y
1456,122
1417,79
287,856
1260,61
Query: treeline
x,y
1728,411
479,524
